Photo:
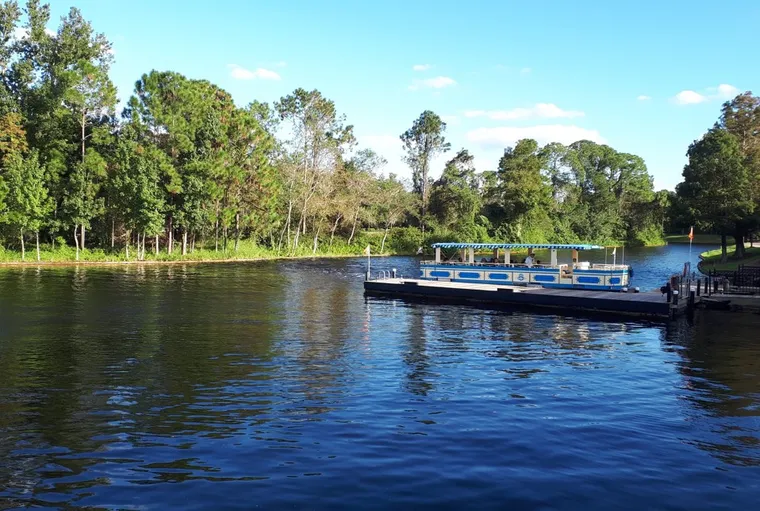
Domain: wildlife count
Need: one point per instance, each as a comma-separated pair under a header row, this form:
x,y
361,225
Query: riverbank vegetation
x,y
712,259
720,191
184,172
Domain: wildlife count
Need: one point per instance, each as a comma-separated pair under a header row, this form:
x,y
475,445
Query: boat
x,y
501,269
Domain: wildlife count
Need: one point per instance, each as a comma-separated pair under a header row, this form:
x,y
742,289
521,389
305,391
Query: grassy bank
x,y
704,239
247,251
711,259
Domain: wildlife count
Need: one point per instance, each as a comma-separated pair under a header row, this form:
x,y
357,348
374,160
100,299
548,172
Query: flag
x,y
614,251
691,233
366,251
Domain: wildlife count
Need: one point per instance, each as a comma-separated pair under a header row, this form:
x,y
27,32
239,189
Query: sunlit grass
x,y
711,259
705,239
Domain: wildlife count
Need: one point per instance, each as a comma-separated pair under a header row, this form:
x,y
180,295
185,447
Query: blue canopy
x,y
517,245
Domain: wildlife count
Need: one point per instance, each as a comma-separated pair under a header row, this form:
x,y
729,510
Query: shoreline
x,y
151,262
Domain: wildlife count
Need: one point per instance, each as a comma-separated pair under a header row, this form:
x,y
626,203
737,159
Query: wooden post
x,y
699,286
575,257
691,301
472,255
507,256
437,255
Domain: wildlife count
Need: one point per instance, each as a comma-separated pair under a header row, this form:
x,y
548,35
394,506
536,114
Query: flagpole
x,y
691,238
368,263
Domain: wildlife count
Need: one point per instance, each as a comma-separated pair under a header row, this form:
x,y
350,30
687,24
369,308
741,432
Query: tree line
x,y
184,166
720,191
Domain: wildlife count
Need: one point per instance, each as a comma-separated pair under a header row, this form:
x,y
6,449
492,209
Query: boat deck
x,y
649,304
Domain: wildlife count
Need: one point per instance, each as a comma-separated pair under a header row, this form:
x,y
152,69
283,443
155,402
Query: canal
x,y
279,385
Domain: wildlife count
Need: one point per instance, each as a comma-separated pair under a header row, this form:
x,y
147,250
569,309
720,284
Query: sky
x,y
645,77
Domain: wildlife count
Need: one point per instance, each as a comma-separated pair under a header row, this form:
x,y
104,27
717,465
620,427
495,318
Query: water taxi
x,y
502,269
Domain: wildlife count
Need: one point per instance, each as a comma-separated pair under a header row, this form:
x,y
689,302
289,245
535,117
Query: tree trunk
x,y
237,231
113,233
157,247
126,245
298,233
23,249
334,227
723,249
316,241
287,225
184,241
37,241
385,235
138,246
216,235
170,236
353,226
76,241
84,123
739,240
192,244
224,238
82,234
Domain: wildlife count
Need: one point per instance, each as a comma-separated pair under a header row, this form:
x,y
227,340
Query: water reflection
x,y
720,365
283,379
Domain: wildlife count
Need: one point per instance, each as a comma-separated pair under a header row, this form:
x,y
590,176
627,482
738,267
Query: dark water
x,y
278,385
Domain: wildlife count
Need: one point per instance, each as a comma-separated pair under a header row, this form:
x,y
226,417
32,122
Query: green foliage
x,y
405,240
716,185
423,142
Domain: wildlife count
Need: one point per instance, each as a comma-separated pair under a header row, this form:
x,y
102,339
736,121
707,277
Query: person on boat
x,y
529,261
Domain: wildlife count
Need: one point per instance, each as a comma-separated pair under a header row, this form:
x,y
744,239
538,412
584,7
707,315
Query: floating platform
x,y
643,305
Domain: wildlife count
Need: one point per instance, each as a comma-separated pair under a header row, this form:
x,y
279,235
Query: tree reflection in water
x,y
719,360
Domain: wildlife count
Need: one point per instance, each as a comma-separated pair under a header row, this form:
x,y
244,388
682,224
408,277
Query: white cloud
x,y
50,32
539,110
525,71
505,136
722,92
421,67
241,73
689,97
644,98
439,82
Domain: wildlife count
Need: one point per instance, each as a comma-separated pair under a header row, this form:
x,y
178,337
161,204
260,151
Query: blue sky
x,y
645,77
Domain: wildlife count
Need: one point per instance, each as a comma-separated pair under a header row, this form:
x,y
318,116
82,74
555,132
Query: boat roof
x,y
518,245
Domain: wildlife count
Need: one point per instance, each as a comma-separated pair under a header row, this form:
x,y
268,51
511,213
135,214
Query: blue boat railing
x,y
579,266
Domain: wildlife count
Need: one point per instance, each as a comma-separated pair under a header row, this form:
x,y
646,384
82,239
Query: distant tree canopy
x,y
720,191
183,165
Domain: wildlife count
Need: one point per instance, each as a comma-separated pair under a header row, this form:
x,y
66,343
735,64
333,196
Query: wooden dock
x,y
645,305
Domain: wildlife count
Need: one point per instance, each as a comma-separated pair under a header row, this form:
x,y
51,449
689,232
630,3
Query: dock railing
x,y
745,280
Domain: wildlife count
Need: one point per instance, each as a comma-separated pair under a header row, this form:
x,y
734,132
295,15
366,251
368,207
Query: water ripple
x,y
280,385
